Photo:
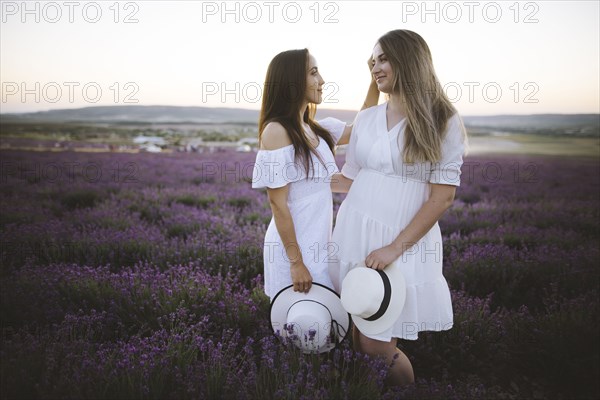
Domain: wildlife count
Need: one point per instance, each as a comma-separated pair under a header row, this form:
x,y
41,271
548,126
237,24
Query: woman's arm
x,y
274,137
371,100
440,200
285,226
372,95
340,184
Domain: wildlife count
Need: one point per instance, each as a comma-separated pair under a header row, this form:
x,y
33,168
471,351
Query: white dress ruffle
x,y
384,197
311,206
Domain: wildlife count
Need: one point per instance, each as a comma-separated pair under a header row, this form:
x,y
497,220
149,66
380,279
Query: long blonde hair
x,y
427,106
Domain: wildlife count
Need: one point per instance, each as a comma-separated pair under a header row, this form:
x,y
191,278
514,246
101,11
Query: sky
x,y
504,57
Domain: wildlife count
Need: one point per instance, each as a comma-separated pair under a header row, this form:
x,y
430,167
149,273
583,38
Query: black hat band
x,y
387,294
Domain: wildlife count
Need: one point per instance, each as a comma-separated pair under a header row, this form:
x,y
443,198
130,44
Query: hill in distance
x,y
139,114
558,124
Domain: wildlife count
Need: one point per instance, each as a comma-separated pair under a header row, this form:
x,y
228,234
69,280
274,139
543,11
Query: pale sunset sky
x,y
503,57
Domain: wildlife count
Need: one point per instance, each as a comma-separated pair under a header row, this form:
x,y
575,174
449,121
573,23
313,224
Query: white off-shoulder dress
x,y
384,197
311,206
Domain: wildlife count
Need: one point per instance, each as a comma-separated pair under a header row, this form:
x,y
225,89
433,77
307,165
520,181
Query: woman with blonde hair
x,y
401,172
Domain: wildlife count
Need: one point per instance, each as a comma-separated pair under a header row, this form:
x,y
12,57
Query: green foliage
x,y
82,198
239,202
196,201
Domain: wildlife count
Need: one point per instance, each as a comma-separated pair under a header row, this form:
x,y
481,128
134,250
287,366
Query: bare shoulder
x,y
274,137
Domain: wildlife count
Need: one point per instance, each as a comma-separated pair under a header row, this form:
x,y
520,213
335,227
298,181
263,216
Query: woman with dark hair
x,y
401,173
295,163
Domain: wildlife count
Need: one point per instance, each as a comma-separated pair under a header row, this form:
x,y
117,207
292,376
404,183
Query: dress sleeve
x,y
276,168
334,126
447,171
351,167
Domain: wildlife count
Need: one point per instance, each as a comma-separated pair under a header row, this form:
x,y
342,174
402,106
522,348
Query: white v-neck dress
x,y
311,206
384,197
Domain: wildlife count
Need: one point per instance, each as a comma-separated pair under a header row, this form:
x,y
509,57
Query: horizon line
x,y
258,110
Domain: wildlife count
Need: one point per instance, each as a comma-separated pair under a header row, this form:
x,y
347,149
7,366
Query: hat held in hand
x,y
374,298
314,321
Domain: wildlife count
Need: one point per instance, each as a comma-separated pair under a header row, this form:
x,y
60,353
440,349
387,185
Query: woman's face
x,y
382,70
314,82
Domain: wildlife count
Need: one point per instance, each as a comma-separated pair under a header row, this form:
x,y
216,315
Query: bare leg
x,y
356,338
401,371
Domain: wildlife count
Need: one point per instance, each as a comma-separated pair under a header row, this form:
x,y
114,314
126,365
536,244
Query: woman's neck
x,y
301,112
396,105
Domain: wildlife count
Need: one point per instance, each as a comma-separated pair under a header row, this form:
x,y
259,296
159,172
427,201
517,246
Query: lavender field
x,y
139,276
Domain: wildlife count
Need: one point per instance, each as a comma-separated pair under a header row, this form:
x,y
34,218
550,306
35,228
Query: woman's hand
x,y
431,211
373,92
301,277
340,184
381,258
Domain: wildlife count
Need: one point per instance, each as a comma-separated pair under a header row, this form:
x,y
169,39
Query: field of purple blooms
x,y
139,276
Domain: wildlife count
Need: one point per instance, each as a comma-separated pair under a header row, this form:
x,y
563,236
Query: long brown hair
x,y
283,95
427,106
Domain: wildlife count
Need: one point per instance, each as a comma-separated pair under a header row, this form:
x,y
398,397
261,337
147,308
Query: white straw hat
x,y
313,321
374,298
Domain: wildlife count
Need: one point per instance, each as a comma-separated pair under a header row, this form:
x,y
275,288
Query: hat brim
x,y
284,299
397,300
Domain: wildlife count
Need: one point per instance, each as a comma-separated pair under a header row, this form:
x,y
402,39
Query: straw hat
x,y
313,321
374,298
